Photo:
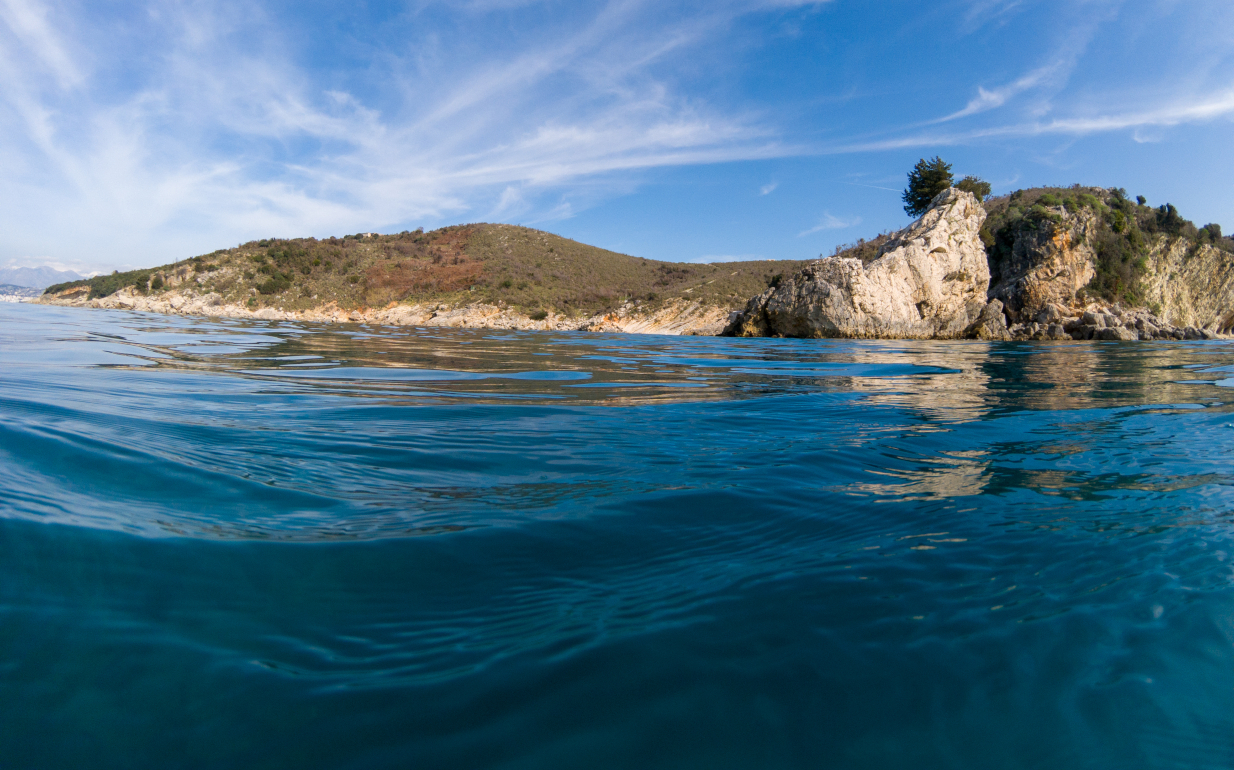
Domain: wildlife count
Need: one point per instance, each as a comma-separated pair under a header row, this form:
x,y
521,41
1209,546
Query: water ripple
x,y
261,544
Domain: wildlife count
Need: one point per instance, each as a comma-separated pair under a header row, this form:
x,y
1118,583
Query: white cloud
x,y
1200,110
27,22
215,139
137,133
997,97
829,222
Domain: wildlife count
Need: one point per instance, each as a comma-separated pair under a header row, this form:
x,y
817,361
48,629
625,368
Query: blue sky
x,y
135,133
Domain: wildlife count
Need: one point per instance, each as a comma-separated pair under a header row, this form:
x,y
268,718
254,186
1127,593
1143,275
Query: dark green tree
x,y
1169,220
927,179
975,185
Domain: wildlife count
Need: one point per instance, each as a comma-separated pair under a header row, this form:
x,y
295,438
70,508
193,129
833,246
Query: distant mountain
x,y
10,293
36,277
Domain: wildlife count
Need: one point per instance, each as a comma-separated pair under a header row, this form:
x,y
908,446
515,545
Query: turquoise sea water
x,y
228,544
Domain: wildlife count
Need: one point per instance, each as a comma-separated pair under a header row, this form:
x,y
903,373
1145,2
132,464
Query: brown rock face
x,y
1047,266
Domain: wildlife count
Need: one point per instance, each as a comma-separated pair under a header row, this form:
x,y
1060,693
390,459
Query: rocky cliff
x,y
1045,265
1082,262
928,281
1053,263
1191,285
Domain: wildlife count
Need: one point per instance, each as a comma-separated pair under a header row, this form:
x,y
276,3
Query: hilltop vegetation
x,y
1123,232
527,269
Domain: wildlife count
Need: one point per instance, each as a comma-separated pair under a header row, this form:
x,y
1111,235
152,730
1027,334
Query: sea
x,y
258,544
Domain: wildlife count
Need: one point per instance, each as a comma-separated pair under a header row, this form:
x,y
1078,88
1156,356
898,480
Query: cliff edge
x,y
927,281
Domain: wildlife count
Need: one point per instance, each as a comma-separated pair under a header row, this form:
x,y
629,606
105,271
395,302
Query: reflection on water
x,y
267,544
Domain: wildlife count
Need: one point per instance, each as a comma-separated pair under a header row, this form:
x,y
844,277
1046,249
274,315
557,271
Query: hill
x,y
529,270
35,277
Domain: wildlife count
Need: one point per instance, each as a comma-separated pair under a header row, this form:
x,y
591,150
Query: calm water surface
x,y
268,545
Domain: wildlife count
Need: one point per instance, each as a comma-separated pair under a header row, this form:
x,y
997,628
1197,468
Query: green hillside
x,y
523,268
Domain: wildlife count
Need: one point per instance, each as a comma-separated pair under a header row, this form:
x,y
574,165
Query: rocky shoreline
x,y
675,317
1111,323
945,276
932,280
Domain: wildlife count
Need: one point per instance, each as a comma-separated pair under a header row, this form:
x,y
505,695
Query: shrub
x,y
975,185
353,279
277,284
1118,222
927,179
539,315
156,283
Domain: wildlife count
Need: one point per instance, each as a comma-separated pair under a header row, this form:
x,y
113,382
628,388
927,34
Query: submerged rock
x,y
929,281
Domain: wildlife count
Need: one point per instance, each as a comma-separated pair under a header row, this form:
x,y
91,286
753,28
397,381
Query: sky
x,y
137,133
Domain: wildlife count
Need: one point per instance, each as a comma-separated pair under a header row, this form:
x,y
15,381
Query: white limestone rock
x,y
928,282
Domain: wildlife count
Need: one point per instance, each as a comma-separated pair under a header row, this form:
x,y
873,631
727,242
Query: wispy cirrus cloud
x,y
132,133
1206,108
996,97
214,135
830,222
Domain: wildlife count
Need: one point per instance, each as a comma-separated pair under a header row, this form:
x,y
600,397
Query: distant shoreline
x,y
675,317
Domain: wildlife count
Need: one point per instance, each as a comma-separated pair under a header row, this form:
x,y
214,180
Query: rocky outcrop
x,y
677,317
1191,286
929,281
1046,266
1041,266
1107,323
991,324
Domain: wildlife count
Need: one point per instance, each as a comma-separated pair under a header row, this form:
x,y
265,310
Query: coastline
x,y
675,317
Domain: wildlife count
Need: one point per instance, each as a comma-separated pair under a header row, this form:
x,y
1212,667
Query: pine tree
x,y
927,179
